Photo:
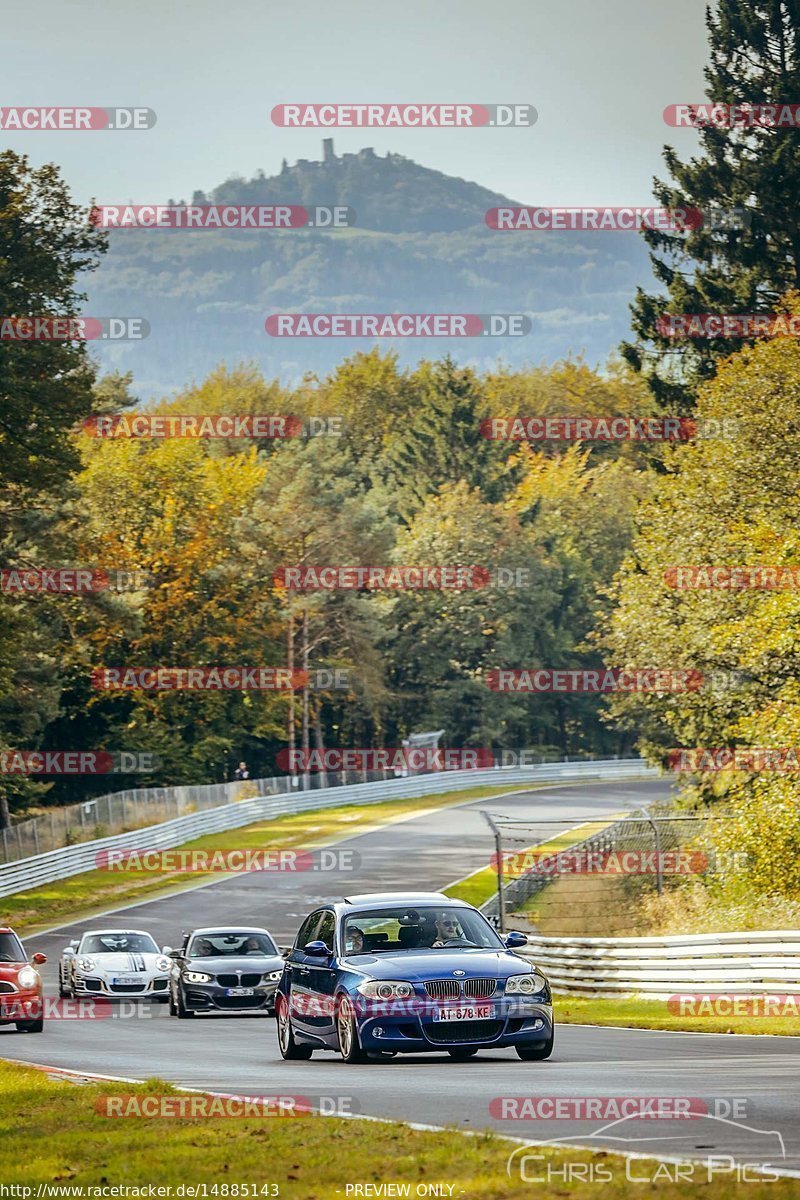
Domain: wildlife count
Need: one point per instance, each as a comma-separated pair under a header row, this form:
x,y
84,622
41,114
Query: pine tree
x,y
755,59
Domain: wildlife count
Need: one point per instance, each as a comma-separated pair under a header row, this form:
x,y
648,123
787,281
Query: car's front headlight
x,y
272,976
385,989
163,964
527,983
27,978
198,977
86,964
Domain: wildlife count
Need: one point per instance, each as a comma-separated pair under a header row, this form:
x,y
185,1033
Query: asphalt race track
x,y
240,1055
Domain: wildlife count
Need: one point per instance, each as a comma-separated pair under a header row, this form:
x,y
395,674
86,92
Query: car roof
x,y
119,932
375,899
212,929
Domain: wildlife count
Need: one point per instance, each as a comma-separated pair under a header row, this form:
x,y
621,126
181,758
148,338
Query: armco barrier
x,y
743,964
73,860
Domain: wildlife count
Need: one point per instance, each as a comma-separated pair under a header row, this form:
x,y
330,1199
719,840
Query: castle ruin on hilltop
x,y
331,158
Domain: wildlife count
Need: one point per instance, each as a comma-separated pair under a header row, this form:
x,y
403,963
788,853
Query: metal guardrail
x,y
739,964
74,860
119,812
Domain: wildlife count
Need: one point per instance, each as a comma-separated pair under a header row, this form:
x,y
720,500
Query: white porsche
x,y
119,963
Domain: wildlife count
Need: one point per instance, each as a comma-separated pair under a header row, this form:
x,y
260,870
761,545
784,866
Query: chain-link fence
x,y
590,880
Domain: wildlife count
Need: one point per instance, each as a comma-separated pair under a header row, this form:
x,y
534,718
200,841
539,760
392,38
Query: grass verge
x,y
51,1134
96,891
634,1012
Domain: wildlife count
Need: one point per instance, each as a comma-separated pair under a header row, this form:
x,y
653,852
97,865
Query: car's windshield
x,y
118,942
229,943
417,928
11,948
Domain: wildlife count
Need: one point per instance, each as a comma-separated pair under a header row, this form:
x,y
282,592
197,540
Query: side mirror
x,y
166,950
316,950
173,954
69,951
38,959
515,939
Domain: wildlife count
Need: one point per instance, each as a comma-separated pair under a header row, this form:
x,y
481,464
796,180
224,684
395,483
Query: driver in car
x,y
203,949
355,940
447,929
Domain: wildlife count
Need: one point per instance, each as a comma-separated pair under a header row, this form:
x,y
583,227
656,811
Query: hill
x,y
420,245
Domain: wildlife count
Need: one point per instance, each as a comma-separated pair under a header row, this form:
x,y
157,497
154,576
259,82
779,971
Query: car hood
x,y
227,964
419,965
123,962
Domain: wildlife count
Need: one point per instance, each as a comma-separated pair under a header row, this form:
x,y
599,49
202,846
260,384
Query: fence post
x,y
498,846
657,839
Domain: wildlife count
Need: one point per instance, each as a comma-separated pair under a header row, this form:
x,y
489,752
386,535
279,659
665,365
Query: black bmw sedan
x,y
224,970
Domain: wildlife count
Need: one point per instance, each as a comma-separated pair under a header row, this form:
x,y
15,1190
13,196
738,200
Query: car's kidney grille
x,y
443,989
479,988
463,1031
235,981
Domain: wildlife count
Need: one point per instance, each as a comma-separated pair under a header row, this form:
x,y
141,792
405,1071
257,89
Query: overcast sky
x,y
599,72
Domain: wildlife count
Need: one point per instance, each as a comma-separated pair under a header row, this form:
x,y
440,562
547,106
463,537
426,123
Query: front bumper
x,y
513,1023
212,997
20,1006
99,985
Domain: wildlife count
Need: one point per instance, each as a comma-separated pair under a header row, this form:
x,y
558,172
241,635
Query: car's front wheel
x,y
347,1032
288,1047
536,1053
30,1026
183,1012
461,1053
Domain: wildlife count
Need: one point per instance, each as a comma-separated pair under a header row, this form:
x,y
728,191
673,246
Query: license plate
x,y
240,991
467,1012
128,981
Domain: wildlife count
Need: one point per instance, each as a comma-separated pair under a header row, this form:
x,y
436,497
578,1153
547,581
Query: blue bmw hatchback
x,y
391,973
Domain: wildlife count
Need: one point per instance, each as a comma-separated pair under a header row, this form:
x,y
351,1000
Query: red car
x,y
21,991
